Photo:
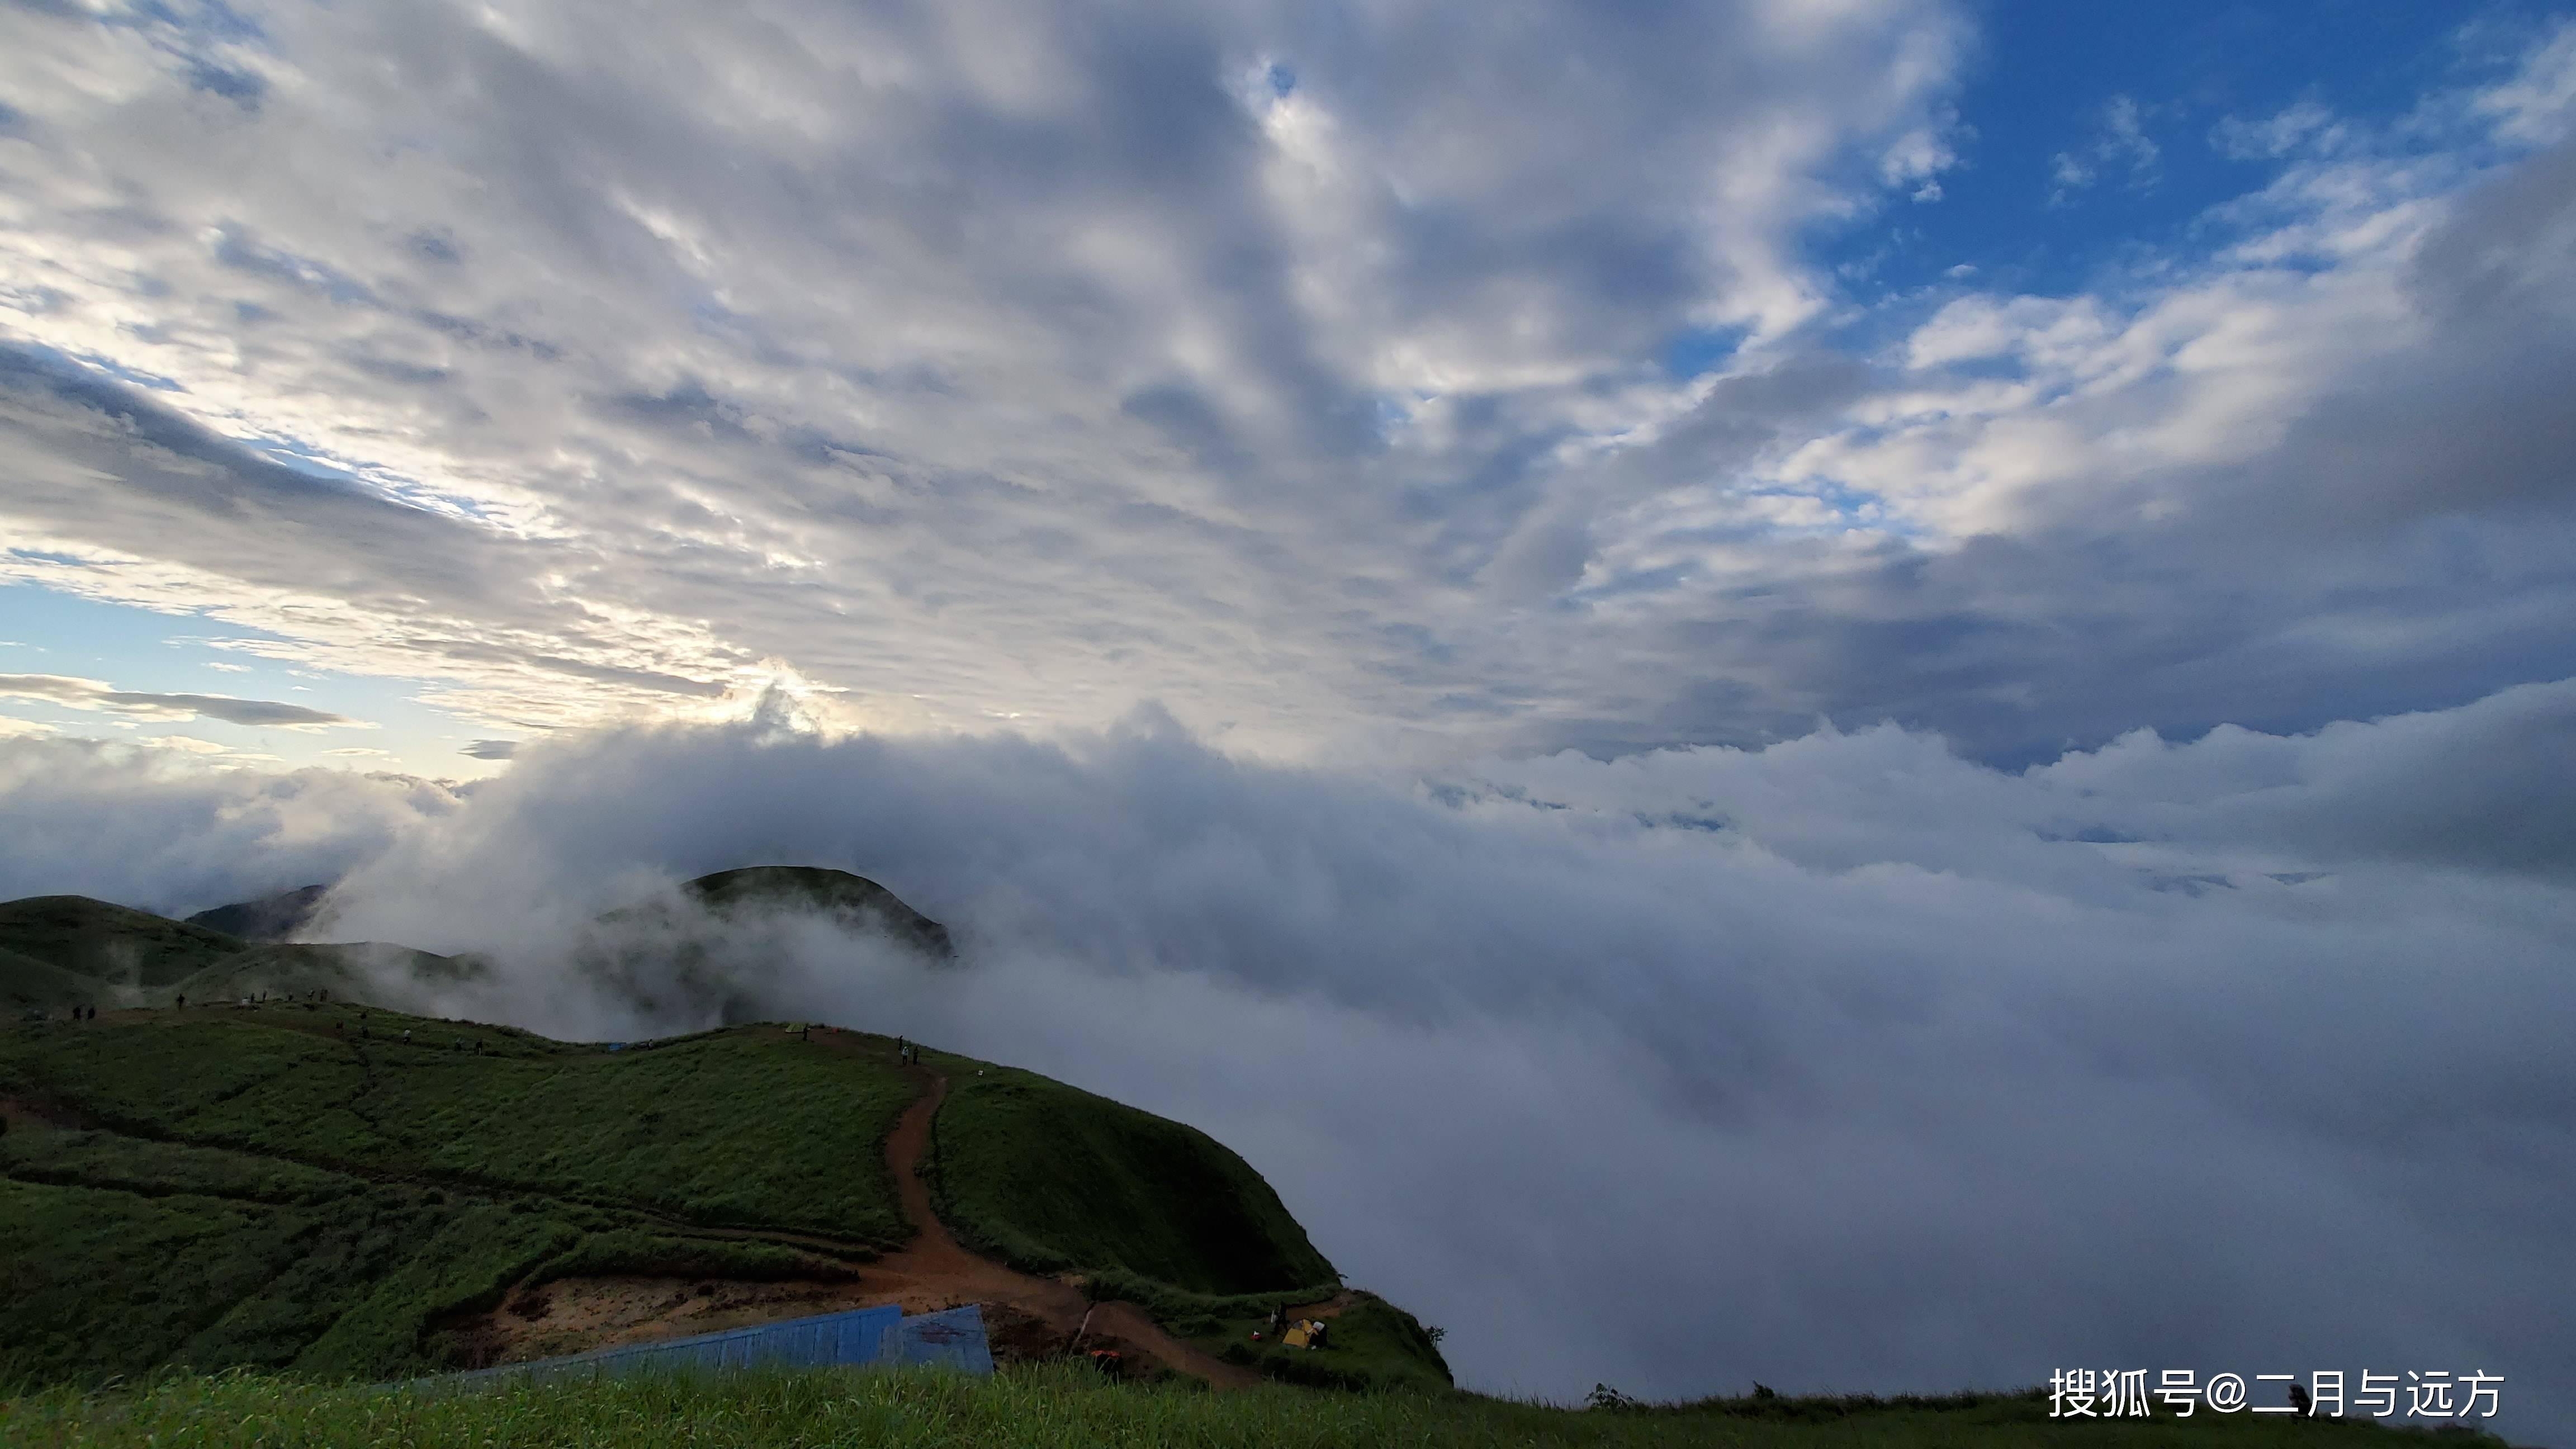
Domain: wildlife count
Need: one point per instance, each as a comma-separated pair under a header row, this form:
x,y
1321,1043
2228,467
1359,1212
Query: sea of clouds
x,y
1848,1063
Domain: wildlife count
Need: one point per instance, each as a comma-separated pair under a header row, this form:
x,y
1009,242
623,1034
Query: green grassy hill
x,y
268,1187
1050,1178
116,945
269,918
357,971
267,1180
320,1188
27,983
838,892
62,951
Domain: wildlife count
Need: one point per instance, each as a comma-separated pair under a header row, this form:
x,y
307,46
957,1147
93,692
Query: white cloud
x,y
1141,374
1909,1072
974,398
2535,104
2305,125
187,744
91,694
2121,146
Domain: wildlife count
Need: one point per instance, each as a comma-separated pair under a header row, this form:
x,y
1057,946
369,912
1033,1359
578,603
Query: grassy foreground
x,y
1054,1406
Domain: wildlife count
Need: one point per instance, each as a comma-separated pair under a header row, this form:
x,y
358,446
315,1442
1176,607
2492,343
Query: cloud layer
x,y
965,364
1848,1063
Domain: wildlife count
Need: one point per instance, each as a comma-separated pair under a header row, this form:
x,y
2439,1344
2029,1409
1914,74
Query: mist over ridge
x,y
1845,1063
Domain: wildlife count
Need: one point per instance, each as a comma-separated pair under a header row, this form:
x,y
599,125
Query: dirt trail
x,y
1026,1316
935,1266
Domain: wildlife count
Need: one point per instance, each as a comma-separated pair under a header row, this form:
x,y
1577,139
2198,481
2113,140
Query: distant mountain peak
x,y
268,918
807,887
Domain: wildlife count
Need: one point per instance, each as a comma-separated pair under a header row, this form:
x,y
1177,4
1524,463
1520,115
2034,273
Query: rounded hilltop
x,y
807,887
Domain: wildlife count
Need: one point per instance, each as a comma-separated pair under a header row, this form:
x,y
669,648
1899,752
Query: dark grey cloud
x,y
90,694
2391,528
491,749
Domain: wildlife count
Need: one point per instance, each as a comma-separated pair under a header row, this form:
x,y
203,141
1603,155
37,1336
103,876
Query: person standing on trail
x,y
183,1003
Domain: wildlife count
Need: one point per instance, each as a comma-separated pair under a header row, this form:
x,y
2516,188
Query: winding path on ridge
x,y
935,1271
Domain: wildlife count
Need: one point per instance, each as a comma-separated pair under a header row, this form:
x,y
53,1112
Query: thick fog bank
x,y
1842,1064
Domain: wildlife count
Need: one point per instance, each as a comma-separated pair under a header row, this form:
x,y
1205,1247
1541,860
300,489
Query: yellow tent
x,y
1297,1334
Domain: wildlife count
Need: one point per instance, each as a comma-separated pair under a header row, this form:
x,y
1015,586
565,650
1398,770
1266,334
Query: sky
x,y
1848,536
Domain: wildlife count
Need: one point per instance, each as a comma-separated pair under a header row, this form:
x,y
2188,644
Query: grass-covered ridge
x,y
116,946
294,1186
269,1188
1066,1407
58,952
724,1129
1049,1177
274,1179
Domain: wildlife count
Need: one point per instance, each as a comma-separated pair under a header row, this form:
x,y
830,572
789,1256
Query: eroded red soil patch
x,y
1025,1316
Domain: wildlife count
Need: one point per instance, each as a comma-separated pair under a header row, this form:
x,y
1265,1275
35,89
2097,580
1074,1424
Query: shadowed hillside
x,y
61,951
270,918
112,944
853,898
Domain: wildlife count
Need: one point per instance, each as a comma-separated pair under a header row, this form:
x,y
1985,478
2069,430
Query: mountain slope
x,y
319,1186
269,918
116,944
26,983
836,892
1050,1177
327,1188
373,972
